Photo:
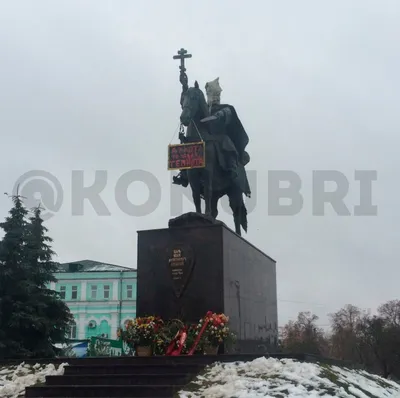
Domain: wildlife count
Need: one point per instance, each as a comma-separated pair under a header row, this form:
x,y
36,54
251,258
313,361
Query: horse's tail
x,y
243,217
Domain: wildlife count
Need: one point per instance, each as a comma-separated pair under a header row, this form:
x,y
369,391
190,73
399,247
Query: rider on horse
x,y
232,139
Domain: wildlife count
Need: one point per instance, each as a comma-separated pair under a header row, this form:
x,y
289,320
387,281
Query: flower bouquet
x,y
142,333
192,334
215,332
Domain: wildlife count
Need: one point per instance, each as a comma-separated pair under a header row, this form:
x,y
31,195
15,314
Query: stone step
x,y
132,369
198,359
102,391
119,379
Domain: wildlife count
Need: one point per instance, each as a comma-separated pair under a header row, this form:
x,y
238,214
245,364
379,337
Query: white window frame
x,y
73,332
93,292
74,290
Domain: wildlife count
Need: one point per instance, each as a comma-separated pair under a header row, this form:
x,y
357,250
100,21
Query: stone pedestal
x,y
197,265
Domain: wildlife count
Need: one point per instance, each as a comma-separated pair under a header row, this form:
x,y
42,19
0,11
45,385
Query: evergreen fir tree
x,y
14,282
39,254
55,317
32,317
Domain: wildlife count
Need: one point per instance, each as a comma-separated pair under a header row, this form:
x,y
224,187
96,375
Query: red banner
x,y
196,342
186,156
178,340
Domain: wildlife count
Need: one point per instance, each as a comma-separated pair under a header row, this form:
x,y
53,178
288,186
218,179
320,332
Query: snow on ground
x,y
286,378
14,379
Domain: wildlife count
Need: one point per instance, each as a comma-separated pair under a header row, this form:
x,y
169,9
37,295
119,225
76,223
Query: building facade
x,y
101,297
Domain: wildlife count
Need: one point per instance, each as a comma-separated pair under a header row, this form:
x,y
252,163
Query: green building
x,y
101,297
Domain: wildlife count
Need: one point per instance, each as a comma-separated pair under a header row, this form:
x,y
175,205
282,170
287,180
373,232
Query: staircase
x,y
128,376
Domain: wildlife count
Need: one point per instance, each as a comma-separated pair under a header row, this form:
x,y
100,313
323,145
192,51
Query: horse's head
x,y
194,105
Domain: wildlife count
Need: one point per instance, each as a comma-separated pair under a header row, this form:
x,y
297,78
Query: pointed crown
x,y
213,87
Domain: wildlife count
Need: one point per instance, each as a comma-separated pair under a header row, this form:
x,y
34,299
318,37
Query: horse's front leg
x,y
208,193
214,205
207,199
208,176
194,181
197,201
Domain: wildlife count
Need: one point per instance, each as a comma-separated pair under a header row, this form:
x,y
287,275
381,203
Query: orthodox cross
x,y
182,54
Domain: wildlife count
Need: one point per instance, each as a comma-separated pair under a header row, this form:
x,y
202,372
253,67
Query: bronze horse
x,y
210,182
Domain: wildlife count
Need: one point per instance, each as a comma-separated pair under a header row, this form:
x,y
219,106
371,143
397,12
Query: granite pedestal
x,y
186,270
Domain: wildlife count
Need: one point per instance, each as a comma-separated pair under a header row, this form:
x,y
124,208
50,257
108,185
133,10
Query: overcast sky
x,y
91,85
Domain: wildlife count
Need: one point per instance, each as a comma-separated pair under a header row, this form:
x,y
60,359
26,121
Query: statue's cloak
x,y
235,129
239,138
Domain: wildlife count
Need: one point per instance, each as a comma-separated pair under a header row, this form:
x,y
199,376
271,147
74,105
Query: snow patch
x,y
287,378
14,379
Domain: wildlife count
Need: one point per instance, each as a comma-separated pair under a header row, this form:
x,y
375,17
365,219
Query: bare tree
x,y
345,341
390,311
303,335
373,341
382,341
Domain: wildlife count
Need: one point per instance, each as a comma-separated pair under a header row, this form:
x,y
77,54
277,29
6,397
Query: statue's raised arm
x,y
182,54
184,81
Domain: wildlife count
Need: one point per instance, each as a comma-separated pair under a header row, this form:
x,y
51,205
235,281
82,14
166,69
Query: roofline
x,y
100,262
92,272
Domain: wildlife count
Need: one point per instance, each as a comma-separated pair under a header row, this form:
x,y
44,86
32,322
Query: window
x,y
74,294
93,292
72,331
63,289
129,291
106,291
104,329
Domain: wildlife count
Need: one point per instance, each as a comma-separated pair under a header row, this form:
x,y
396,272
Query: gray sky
x,y
88,85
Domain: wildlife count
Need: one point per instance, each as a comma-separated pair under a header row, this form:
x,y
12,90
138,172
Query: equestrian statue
x,y
225,138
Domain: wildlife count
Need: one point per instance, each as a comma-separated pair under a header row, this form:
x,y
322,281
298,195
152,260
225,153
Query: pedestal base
x,y
200,265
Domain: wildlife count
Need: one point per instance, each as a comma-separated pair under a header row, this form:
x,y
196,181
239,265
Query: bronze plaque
x,y
180,264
